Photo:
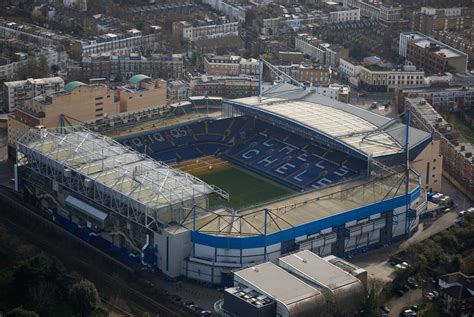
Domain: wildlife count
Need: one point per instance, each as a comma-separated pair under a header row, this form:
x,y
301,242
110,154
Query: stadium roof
x,y
73,85
138,78
351,126
136,178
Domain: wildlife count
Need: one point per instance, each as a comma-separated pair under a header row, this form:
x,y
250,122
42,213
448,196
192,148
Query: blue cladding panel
x,y
307,228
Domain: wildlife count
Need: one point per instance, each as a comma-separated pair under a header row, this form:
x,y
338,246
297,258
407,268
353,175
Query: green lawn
x,y
457,121
245,188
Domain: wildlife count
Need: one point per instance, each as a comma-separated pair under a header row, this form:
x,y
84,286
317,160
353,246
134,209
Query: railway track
x,y
101,277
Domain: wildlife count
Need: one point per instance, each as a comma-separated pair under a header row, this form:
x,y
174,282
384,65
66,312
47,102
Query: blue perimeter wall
x,y
307,228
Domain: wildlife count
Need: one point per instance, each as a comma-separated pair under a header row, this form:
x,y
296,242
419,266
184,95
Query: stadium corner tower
x,y
349,188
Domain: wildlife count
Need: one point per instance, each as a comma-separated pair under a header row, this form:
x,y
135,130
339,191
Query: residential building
x,y
343,14
32,34
369,10
230,65
324,53
314,74
113,66
428,20
141,93
78,102
189,32
457,294
290,57
375,75
338,92
178,90
387,15
445,99
227,87
17,92
9,67
431,55
117,43
461,41
235,12
80,4
458,162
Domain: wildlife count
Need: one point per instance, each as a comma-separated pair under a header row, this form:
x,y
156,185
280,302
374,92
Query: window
x,y
99,103
98,98
98,109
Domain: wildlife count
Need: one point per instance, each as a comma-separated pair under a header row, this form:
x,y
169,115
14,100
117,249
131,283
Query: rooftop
x,y
138,78
37,81
73,85
300,208
436,46
114,167
311,266
278,284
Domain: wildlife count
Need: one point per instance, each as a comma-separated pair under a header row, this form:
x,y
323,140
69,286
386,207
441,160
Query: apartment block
x,y
77,103
457,294
458,161
431,55
178,90
17,92
344,14
31,33
375,75
117,43
189,32
314,74
445,99
141,93
324,53
227,87
110,66
428,20
230,65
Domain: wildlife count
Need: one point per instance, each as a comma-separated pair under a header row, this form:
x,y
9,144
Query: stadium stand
x,y
270,151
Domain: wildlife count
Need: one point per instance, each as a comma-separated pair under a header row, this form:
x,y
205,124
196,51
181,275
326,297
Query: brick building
x,y
431,55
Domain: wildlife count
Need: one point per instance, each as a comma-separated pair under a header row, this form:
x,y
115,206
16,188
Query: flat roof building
x,y
431,55
293,296
344,292
17,92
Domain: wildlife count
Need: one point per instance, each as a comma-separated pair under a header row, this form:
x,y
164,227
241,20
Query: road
x,y
376,262
396,304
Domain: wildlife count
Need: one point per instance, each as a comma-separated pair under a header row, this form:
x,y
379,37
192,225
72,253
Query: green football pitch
x,y
244,187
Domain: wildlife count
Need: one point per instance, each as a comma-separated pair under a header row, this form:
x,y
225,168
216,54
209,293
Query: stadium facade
x,y
343,163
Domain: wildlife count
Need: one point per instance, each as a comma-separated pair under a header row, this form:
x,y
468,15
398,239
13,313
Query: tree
x,y
39,283
371,293
84,298
20,312
43,67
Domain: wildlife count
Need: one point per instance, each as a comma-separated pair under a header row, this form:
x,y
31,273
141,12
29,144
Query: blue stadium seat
x,y
262,147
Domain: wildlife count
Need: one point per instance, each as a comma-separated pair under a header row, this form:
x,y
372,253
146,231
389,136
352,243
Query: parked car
x,y
414,307
385,309
408,313
412,283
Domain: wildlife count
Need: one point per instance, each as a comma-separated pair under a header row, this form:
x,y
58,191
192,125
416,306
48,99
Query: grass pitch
x,y
245,188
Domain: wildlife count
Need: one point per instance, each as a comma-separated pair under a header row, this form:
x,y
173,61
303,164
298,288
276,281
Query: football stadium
x,y
219,184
